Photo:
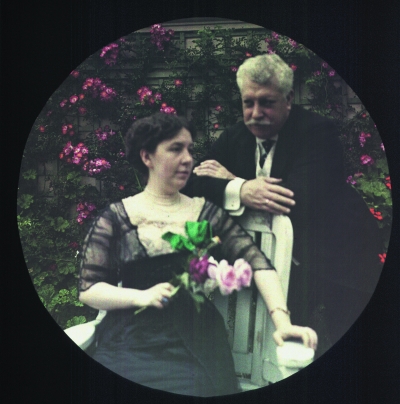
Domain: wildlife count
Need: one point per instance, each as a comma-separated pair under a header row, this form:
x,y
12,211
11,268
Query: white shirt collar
x,y
259,141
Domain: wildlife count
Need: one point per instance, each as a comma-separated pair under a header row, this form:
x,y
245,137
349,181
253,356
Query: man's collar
x,y
259,141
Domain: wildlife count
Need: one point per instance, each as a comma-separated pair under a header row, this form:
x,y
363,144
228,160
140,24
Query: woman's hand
x,y
211,168
155,295
308,335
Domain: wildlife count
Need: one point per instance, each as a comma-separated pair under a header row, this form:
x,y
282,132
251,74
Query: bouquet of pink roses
x,y
202,273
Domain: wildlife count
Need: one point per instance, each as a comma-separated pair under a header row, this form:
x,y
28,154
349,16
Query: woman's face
x,y
171,163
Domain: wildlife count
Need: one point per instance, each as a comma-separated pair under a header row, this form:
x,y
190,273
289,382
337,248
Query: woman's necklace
x,y
167,204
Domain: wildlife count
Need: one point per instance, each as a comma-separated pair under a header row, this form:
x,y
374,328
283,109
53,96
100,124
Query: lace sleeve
x,y
236,242
98,262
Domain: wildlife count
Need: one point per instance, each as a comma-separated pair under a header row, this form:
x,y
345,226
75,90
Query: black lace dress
x,y
175,349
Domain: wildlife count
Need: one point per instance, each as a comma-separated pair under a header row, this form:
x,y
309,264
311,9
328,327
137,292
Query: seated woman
x,y
169,346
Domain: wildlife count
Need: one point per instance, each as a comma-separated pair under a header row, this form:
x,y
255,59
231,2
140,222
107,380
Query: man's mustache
x,y
256,122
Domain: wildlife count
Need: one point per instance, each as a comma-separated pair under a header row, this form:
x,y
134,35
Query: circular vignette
x,y
73,164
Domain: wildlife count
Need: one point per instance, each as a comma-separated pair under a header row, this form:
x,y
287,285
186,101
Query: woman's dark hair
x,y
147,133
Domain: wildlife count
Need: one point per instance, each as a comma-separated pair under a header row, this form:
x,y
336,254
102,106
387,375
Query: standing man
x,y
283,159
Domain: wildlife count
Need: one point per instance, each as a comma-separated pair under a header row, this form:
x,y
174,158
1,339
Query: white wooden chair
x,y
265,362
258,360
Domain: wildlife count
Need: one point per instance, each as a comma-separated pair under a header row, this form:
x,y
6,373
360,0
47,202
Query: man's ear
x,y
289,99
145,156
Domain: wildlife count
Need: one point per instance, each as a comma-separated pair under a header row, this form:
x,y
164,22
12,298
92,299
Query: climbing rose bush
x,y
74,162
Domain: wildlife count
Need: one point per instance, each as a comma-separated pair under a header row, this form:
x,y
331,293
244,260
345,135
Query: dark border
x,y
42,42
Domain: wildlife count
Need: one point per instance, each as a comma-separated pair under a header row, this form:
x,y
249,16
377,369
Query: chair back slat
x,y
241,341
253,344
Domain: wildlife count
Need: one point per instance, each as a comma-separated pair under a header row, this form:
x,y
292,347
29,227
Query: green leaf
x,y
185,279
45,293
30,174
175,290
197,297
24,201
60,224
74,176
66,267
76,321
40,278
198,300
382,165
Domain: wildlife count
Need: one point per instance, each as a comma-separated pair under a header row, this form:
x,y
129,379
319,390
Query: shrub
x,y
74,164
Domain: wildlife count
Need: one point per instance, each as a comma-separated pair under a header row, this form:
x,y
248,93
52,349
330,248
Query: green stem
x,y
140,187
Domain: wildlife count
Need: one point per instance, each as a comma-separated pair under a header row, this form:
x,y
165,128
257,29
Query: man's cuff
x,y
232,197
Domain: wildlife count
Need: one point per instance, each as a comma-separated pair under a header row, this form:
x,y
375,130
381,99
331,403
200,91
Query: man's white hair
x,y
265,70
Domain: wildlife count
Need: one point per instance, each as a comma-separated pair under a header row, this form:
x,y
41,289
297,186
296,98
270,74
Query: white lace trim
x,y
153,220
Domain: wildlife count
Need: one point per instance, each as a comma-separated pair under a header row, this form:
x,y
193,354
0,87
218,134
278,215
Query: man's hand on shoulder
x,y
211,168
264,194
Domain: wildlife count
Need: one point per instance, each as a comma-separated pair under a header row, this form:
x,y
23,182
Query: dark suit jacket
x,y
335,236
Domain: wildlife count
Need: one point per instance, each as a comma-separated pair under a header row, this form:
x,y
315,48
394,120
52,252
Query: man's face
x,y
265,108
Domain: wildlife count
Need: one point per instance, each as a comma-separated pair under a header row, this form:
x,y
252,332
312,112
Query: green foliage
x,y
58,195
76,320
24,201
30,175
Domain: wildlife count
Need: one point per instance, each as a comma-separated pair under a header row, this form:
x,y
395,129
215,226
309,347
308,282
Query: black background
x,y
41,42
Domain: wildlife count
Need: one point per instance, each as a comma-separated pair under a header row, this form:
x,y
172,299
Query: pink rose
x,y
74,245
226,278
212,268
243,273
350,180
68,148
73,99
90,206
366,160
198,269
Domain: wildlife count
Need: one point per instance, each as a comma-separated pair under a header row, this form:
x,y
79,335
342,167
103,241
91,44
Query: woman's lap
x,y
167,367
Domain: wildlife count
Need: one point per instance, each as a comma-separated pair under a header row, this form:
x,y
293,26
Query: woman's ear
x,y
145,156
